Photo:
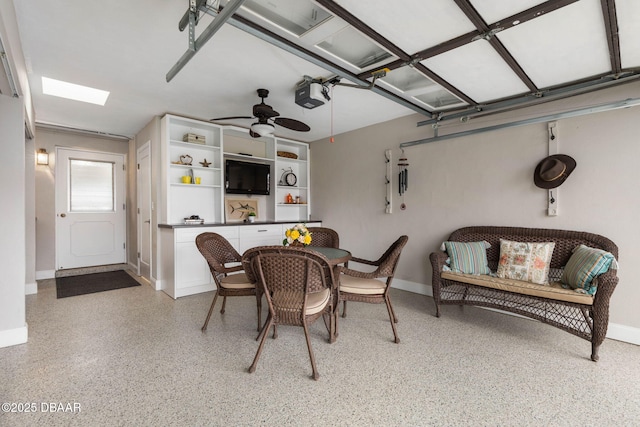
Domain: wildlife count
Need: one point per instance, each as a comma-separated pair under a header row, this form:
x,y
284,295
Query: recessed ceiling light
x,y
74,91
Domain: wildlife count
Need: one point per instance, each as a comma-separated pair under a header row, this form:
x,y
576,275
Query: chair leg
x,y
395,318
391,319
263,330
259,306
330,323
206,322
224,303
316,375
344,308
252,368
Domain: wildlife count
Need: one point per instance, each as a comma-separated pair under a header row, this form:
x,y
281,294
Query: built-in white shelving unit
x,y
181,200
183,270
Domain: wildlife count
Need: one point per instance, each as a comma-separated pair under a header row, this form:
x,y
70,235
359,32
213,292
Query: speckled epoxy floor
x,y
136,357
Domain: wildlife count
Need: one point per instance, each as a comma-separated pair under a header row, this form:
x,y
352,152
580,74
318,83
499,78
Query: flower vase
x,y
296,244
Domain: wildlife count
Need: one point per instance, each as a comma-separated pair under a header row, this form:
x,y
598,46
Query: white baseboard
x,y
45,274
615,331
623,333
416,288
14,336
31,288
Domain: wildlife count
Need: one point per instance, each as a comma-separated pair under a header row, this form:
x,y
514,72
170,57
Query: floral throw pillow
x,y
524,261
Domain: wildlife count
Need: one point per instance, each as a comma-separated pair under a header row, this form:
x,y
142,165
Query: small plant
x,y
252,213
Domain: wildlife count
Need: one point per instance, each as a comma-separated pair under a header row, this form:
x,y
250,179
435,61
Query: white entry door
x,y
144,210
90,208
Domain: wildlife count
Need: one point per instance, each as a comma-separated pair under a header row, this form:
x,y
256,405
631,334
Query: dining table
x,y
335,256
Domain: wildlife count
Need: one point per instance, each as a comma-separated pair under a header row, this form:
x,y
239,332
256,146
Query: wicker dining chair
x,y
298,285
365,287
218,252
322,236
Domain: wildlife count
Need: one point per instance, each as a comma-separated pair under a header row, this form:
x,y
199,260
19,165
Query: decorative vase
x,y
251,218
297,244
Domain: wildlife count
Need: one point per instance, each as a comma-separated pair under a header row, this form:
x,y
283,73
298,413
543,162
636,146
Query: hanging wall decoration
x,y
387,181
403,178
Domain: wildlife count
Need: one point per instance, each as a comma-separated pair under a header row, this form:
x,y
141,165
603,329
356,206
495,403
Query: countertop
x,y
231,224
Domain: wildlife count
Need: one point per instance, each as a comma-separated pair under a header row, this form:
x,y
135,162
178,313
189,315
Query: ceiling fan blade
x,y
292,124
231,118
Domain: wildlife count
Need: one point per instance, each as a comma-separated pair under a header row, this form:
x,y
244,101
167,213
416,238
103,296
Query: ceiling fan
x,y
265,115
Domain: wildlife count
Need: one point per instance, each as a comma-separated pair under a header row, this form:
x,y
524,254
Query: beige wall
x,y
486,179
45,187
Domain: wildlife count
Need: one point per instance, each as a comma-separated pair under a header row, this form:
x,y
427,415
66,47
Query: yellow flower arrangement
x,y
298,234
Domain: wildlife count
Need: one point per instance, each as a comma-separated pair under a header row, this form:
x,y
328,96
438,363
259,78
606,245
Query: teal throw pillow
x,y
584,265
469,258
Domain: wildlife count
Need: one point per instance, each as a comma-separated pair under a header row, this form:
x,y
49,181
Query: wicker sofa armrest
x,y
438,260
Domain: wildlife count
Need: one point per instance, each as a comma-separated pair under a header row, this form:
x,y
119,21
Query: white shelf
x,y
289,160
247,157
193,145
284,187
195,185
176,165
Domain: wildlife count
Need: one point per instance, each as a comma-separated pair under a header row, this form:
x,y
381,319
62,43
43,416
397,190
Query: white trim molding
x,y
31,288
14,336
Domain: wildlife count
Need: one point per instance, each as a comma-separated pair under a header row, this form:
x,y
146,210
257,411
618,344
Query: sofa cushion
x,y
525,261
584,265
470,258
553,290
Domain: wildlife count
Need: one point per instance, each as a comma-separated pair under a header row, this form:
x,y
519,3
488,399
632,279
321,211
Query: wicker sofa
x,y
580,314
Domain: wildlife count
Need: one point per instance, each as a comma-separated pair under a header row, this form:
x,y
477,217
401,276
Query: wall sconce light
x,y
42,157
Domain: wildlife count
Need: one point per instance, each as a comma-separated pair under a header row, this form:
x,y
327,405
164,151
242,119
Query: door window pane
x,y
91,186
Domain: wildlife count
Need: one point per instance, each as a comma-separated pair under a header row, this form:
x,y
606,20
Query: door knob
x,y
63,215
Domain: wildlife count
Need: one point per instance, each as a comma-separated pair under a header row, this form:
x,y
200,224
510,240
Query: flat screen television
x,y
246,177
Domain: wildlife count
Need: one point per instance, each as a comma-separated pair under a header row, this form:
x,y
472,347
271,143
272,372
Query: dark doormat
x,y
91,283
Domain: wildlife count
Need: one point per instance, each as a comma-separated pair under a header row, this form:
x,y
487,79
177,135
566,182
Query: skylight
x,y
74,91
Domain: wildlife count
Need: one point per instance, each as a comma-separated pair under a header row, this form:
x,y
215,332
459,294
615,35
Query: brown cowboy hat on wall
x,y
552,171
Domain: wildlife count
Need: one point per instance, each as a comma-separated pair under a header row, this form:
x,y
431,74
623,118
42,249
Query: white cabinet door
x,y
191,267
259,235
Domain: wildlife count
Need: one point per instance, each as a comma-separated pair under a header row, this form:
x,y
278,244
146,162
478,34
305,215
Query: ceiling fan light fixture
x,y
263,129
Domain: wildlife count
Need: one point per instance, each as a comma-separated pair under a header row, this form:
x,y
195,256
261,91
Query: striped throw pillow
x,y
469,258
585,265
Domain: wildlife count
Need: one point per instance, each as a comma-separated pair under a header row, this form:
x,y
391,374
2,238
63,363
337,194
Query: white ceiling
x,y
128,47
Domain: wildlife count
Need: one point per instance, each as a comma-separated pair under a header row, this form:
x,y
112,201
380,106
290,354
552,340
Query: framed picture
x,y
237,210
